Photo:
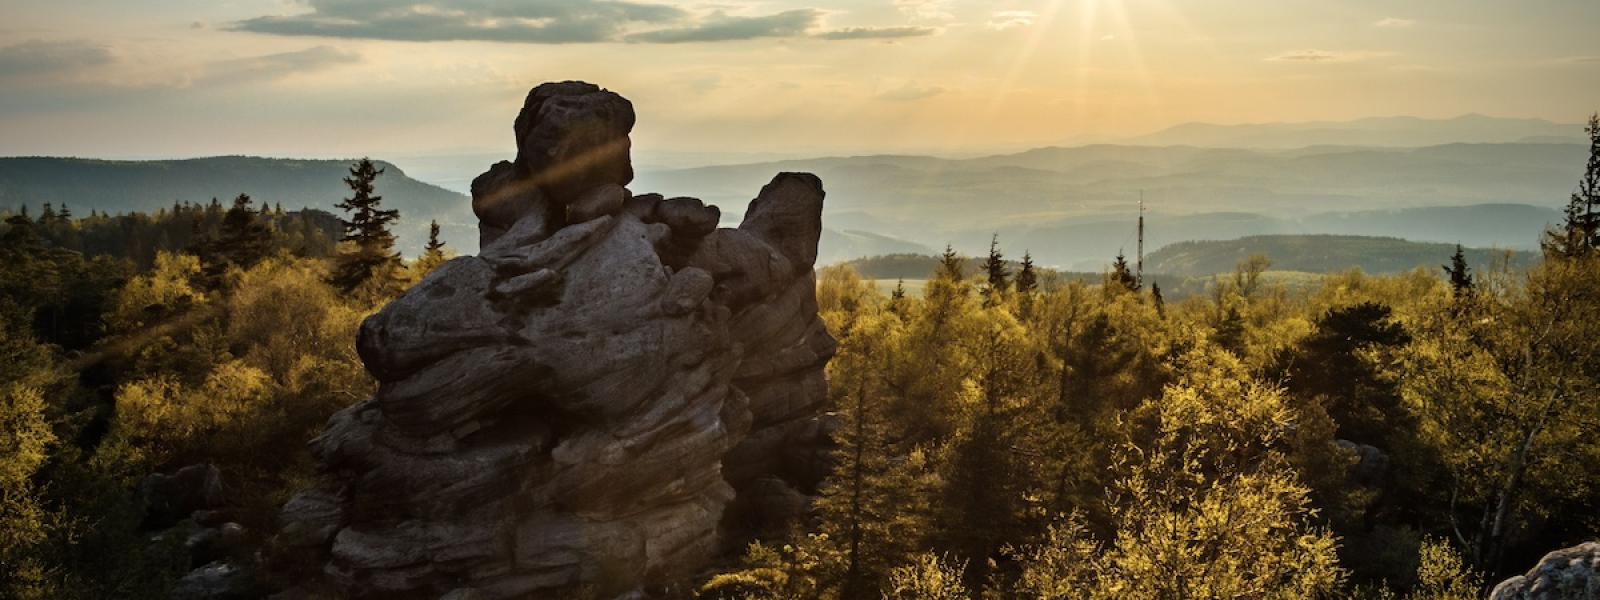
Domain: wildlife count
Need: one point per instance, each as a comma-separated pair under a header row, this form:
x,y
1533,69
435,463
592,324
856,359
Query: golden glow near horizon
x,y
341,77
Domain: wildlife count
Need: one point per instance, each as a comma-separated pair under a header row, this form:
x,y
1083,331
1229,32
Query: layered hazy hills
x,y
1378,131
1072,207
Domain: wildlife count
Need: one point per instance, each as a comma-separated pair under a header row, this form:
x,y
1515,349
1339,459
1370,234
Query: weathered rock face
x,y
580,403
1566,574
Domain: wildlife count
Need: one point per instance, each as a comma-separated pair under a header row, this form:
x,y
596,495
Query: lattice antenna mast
x,y
1139,264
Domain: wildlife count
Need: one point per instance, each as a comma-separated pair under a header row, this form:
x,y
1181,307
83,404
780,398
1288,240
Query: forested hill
x,y
1317,254
147,186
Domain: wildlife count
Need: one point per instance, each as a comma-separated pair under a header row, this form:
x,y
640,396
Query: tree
x,y
927,577
1122,275
1203,504
243,239
433,254
951,265
999,277
1159,302
871,506
1229,333
1027,278
370,250
1441,574
1506,399
1459,273
1580,230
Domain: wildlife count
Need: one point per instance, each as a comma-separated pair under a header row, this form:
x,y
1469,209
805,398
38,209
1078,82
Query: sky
x,y
339,78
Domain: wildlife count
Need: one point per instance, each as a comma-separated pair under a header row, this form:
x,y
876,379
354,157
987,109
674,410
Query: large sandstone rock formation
x,y
1566,574
579,405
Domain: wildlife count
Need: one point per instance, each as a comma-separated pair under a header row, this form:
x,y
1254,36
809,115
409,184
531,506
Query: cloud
x,y
876,33
275,66
1325,56
927,10
1008,19
51,57
722,28
534,21
1394,23
911,93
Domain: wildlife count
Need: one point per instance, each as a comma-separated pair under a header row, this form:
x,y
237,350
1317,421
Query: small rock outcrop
x,y
1566,574
578,406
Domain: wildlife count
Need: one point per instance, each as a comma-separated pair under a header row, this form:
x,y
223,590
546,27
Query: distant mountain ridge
x,y
1375,131
122,186
1320,254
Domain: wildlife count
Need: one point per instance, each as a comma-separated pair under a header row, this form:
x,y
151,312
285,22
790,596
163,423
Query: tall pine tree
x,y
371,246
1027,279
999,277
1460,274
1580,231
951,265
433,253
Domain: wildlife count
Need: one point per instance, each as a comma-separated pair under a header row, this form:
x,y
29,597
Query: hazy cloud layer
x,y
1325,56
274,66
1394,23
876,33
911,93
723,28
536,21
51,57
1007,19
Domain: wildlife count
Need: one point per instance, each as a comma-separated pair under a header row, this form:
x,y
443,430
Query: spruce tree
x,y
65,214
371,246
433,253
1580,230
1027,279
243,239
951,265
1122,275
1460,274
1160,302
995,268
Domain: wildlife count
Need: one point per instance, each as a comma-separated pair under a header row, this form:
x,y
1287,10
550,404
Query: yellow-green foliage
x,y
927,577
280,360
1082,442
1441,574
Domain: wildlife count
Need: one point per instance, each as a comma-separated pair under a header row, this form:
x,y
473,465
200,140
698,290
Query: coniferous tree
x,y
65,214
951,265
1158,300
1229,334
1460,274
1027,279
434,247
1122,275
433,253
1580,230
371,251
243,240
994,268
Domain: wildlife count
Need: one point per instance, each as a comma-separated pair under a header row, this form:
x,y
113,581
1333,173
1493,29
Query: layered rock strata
x,y
577,406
